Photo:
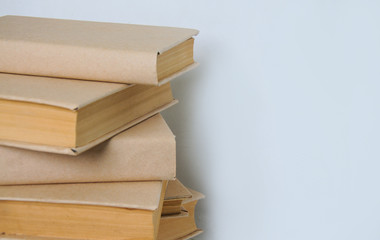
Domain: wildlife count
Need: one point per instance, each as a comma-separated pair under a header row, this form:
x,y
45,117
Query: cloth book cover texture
x,y
146,151
87,50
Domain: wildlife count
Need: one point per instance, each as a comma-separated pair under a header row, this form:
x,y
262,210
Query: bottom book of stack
x,y
119,210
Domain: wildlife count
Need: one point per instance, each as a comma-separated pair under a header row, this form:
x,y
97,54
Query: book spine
x,y
78,62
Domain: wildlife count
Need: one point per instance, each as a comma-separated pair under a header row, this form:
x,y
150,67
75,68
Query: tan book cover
x,y
175,194
146,151
118,210
71,116
20,237
87,50
181,226
176,190
132,195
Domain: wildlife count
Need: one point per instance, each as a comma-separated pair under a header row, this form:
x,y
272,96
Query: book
x,y
146,151
119,210
181,226
71,116
111,52
175,226
175,194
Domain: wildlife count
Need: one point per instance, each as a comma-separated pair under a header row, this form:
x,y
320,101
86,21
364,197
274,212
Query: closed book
x,y
172,227
71,116
143,152
120,210
181,226
111,52
175,194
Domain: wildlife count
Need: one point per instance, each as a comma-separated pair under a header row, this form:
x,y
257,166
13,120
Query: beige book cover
x,y
146,151
131,195
175,193
87,50
176,190
70,97
118,210
181,226
134,195
195,196
19,237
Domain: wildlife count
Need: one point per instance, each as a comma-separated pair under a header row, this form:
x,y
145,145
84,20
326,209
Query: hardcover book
x,y
180,226
71,116
175,194
111,52
120,210
143,152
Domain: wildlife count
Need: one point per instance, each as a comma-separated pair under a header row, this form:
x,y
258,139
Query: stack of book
x,y
84,151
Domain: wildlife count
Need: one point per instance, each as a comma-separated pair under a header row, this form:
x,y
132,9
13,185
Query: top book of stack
x,y
110,52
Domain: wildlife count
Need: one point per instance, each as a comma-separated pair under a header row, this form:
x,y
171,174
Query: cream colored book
x,y
93,211
146,151
71,116
110,52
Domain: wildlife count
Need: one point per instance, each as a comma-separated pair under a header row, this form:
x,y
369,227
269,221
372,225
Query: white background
x,y
279,126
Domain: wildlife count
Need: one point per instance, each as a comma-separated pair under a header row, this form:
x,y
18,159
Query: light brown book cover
x,y
132,195
175,194
70,96
140,195
127,210
146,151
176,190
87,50
181,226
20,237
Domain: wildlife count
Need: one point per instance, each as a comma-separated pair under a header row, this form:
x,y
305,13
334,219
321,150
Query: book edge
x,y
179,73
78,150
153,205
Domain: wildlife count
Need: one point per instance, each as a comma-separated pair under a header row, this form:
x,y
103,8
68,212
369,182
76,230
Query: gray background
x,y
279,126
